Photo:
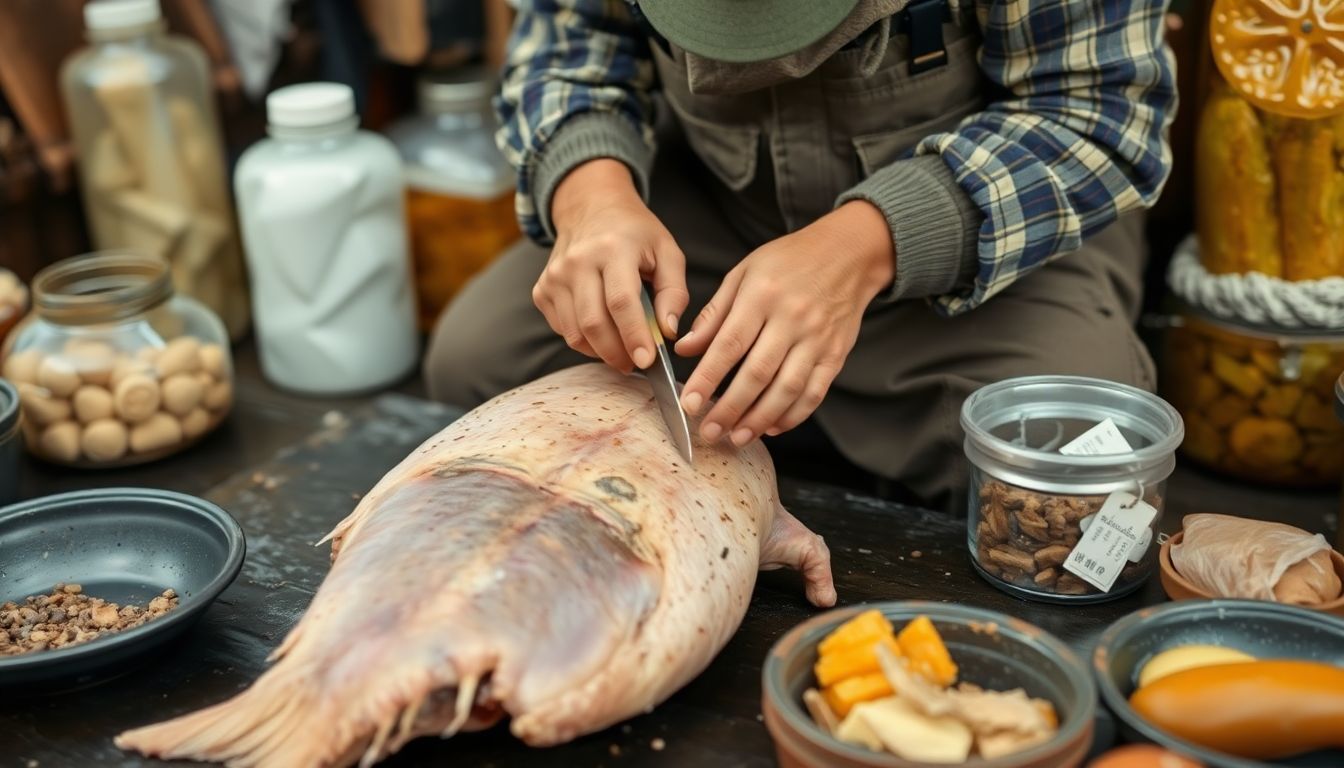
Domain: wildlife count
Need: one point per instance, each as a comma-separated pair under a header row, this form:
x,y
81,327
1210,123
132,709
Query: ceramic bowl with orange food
x,y
989,651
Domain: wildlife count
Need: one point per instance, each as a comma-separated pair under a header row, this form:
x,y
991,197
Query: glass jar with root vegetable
x,y
112,368
1259,338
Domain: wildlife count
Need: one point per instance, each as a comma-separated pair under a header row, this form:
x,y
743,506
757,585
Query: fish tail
x,y
277,722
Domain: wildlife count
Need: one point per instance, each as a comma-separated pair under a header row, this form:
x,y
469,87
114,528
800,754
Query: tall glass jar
x,y
112,367
459,188
151,160
1269,160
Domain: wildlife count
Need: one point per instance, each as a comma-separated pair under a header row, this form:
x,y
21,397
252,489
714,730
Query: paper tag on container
x,y
1136,554
1103,439
1115,532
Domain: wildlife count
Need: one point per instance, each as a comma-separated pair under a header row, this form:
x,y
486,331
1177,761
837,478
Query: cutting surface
x,y
881,551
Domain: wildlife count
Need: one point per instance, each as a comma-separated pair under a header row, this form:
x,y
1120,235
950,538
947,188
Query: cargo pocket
x,y
728,150
877,150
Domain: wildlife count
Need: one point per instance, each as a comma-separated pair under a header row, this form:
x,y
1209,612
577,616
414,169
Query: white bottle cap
x,y
309,105
120,14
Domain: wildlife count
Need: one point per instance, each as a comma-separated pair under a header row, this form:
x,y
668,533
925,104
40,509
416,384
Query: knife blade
x,y
664,384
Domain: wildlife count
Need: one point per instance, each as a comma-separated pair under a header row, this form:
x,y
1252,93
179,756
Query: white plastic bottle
x,y
324,230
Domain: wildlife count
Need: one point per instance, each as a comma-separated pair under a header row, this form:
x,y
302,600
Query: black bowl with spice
x,y
92,580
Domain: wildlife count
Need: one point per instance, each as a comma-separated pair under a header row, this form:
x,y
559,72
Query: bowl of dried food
x,y
92,580
912,683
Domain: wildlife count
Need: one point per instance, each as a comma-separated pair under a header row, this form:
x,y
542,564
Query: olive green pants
x,y
894,408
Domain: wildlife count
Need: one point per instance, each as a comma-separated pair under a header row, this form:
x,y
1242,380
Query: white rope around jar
x,y
1256,298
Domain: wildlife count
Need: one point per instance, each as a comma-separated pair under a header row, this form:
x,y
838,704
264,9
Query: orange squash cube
x,y
927,654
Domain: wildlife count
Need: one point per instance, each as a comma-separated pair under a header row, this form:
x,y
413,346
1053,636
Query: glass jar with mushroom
x,y
1067,480
112,368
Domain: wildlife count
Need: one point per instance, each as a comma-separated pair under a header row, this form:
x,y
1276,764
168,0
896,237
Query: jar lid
x,y
101,287
456,90
310,105
120,14
1259,331
1014,429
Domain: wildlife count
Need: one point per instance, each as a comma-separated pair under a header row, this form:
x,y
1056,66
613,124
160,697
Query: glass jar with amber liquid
x,y
459,188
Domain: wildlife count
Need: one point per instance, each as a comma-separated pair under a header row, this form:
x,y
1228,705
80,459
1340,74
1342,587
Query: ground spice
x,y
68,617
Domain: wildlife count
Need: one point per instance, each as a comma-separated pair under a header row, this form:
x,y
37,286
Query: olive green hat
x,y
739,31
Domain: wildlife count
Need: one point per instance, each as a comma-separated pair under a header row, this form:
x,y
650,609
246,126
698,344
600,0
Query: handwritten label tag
x,y
1139,550
1116,531
1105,438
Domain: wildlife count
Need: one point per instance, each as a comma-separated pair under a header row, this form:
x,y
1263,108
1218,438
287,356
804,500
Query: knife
x,y
664,384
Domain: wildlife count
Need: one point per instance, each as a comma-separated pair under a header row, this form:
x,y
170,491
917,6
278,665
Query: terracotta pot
x,y
1178,588
991,649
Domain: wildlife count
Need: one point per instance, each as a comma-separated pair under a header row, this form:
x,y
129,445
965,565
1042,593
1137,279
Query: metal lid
x,y
1263,332
458,90
101,287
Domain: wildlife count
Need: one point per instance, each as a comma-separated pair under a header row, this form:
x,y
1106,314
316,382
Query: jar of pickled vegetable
x,y
459,188
1257,402
1269,159
112,368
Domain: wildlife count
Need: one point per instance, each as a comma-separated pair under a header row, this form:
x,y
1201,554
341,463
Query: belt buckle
x,y
923,21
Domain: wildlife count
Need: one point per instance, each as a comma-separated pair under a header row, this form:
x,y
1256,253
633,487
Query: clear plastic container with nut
x,y
112,368
1067,483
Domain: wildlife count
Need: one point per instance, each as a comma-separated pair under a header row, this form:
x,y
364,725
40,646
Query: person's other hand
x,y
790,314
607,241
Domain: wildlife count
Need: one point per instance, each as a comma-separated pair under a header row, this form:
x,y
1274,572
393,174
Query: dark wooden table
x,y
289,468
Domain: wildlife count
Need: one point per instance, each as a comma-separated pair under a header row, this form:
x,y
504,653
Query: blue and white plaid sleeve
x,y
576,86
1081,138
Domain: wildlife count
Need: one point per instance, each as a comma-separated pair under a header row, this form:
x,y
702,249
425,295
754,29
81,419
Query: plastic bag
x,y
1252,559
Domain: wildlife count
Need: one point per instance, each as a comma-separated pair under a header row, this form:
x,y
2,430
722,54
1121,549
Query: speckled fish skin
x,y
549,557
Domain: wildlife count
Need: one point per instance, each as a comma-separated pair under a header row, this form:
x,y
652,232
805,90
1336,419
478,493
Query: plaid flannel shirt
x,y
1079,138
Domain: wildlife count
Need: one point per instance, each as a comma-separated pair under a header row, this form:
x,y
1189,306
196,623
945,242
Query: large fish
x,y
549,557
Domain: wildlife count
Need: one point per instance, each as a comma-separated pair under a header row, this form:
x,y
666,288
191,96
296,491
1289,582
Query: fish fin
x,y
375,751
407,721
466,699
269,725
791,545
